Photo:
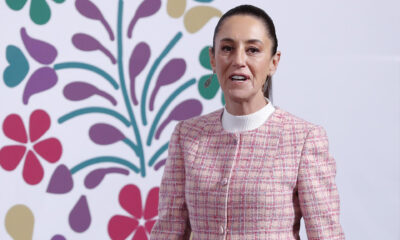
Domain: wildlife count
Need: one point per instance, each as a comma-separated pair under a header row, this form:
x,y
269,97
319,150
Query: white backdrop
x,y
340,68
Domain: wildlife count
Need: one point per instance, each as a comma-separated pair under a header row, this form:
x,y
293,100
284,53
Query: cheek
x,y
221,65
220,60
259,71
262,69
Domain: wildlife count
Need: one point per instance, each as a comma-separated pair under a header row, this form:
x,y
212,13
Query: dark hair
x,y
269,25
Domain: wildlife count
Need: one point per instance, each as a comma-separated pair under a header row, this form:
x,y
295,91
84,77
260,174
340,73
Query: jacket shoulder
x,y
298,131
198,124
291,122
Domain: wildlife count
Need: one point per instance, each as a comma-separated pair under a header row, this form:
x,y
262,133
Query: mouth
x,y
238,77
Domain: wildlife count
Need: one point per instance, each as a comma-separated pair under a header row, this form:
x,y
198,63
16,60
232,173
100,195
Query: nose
x,y
239,58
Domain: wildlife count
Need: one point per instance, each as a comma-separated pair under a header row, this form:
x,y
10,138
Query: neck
x,y
244,107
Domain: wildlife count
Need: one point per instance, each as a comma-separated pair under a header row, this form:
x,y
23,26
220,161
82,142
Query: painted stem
x,y
164,107
136,132
105,75
133,146
104,159
158,153
153,68
82,111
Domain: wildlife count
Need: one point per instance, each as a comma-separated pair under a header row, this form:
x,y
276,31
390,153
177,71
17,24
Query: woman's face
x,y
242,59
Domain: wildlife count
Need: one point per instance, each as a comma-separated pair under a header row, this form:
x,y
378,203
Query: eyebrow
x,y
248,41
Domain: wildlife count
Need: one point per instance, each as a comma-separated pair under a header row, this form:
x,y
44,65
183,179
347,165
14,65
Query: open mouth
x,y
238,77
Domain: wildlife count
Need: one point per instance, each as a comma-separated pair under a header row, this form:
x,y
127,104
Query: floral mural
x,y
132,109
49,149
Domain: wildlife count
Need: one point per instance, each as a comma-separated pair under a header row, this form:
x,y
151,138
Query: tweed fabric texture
x,y
249,185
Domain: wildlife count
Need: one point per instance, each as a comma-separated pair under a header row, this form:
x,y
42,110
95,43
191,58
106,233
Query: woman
x,y
250,170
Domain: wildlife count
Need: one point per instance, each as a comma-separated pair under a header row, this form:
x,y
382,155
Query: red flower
x,y
120,227
50,149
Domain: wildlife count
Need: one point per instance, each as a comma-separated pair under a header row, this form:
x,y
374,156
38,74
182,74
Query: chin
x,y
238,96
242,95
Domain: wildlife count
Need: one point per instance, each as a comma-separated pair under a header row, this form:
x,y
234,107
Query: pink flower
x,y
49,149
120,227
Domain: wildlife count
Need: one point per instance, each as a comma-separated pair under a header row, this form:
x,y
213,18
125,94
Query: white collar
x,y
234,124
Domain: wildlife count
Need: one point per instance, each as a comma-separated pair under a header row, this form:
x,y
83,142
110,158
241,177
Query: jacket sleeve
x,y
318,195
172,220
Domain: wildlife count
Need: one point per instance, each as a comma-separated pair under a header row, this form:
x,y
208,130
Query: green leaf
x,y
16,4
209,91
205,58
18,66
40,12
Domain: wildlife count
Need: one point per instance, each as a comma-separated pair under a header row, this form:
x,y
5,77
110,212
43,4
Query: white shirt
x,y
235,124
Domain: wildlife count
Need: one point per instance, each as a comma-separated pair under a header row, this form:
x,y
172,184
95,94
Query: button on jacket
x,y
251,185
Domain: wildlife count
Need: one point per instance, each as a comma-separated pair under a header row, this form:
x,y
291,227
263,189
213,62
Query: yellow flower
x,y
196,17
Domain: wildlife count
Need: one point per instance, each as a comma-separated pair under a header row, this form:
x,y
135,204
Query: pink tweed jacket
x,y
251,185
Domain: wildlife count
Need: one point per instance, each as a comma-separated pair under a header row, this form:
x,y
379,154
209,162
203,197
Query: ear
x,y
212,58
273,64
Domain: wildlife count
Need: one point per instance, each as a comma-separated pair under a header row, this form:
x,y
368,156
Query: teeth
x,y
237,77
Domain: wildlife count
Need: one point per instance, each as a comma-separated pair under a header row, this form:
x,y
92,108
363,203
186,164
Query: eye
x,y
226,48
253,50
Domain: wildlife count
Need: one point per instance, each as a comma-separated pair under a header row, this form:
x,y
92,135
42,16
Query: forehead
x,y
242,27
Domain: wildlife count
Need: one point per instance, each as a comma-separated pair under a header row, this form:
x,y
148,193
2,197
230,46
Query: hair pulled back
x,y
250,10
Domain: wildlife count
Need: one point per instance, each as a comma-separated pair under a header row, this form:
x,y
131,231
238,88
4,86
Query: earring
x,y
208,81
